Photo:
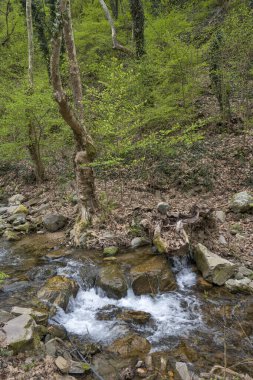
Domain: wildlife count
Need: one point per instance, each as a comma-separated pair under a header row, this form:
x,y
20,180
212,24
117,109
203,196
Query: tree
x,y
34,133
137,14
74,116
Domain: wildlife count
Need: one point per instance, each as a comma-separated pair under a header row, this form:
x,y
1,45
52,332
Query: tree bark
x,y
115,44
34,140
137,13
85,149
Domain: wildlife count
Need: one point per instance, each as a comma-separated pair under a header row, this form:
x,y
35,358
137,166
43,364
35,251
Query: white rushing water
x,y
174,313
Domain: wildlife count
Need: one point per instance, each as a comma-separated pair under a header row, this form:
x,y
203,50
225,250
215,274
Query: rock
x,y
163,208
11,235
62,364
42,273
244,272
18,333
158,242
22,227
21,209
142,372
220,216
57,331
39,316
139,242
3,210
222,240
58,290
213,268
17,219
54,222
112,281
140,317
245,285
152,276
78,368
111,251
56,347
15,286
130,346
183,371
57,254
5,316
203,284
43,207
241,202
16,199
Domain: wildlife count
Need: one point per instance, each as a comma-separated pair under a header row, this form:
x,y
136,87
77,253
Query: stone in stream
x,y
18,333
111,251
58,290
152,276
139,317
213,268
54,222
139,242
132,345
112,281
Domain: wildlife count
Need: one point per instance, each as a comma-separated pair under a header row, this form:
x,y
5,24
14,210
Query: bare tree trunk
x,y
137,13
115,44
34,141
85,149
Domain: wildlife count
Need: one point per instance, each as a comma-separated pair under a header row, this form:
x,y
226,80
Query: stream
x,y
186,324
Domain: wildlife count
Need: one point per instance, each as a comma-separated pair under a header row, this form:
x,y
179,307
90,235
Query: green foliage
x,y
3,277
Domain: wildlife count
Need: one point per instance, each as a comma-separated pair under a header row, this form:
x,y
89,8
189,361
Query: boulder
x,y
152,276
54,222
112,281
163,208
111,251
16,199
132,345
40,316
241,202
18,333
244,285
213,268
58,290
139,242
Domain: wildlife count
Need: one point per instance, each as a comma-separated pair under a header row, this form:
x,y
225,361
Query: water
x,y
174,313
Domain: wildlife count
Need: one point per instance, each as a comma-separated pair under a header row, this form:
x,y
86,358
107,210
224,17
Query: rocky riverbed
x,y
130,315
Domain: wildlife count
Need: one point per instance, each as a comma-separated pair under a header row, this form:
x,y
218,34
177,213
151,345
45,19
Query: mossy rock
x,y
21,209
111,251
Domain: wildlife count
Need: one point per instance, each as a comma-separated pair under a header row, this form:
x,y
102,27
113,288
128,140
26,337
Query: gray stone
x,y
16,199
54,222
139,242
183,371
5,316
38,316
3,210
163,208
220,216
222,240
15,286
241,202
244,285
213,268
18,332
62,364
112,281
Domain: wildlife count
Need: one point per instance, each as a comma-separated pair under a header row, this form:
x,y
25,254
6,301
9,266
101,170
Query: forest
x,y
126,199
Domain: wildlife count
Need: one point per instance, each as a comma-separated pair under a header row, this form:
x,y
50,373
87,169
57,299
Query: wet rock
x,y
16,199
140,317
5,316
139,242
43,273
152,276
241,202
245,285
111,251
15,286
220,216
183,371
57,254
130,346
58,290
54,222
62,364
203,284
112,281
57,331
163,208
18,333
108,313
11,235
213,268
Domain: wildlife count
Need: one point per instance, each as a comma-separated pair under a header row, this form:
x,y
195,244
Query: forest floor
x,y
207,173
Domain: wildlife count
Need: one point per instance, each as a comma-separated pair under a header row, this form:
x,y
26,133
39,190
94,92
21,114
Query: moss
x,y
3,277
85,367
111,251
159,244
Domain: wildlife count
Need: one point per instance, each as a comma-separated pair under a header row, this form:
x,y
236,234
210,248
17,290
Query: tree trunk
x,y
85,149
137,13
115,8
34,140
